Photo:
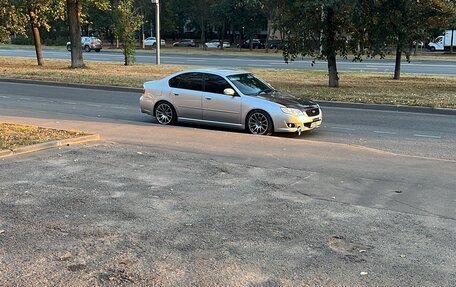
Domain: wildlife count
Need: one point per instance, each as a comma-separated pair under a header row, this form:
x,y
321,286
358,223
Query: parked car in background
x,y
230,98
151,41
256,44
88,44
184,43
216,44
277,44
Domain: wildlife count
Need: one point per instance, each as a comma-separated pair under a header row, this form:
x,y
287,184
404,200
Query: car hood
x,y
288,100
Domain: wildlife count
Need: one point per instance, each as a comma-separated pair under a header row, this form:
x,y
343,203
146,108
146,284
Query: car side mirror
x,y
229,92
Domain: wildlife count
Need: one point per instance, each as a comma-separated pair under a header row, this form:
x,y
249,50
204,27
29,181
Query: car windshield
x,y
248,84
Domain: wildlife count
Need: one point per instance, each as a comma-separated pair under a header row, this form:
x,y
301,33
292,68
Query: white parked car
x,y
88,44
216,44
151,41
230,98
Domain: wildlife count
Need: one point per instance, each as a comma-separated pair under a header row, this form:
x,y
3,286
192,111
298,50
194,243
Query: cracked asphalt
x,y
119,214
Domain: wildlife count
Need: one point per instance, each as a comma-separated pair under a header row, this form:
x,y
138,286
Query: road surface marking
x,y
120,108
363,68
341,128
69,103
93,105
384,132
427,136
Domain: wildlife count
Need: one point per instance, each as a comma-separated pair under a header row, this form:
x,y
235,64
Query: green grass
x,y
430,91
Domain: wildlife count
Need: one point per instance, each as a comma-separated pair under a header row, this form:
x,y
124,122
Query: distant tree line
x,y
322,29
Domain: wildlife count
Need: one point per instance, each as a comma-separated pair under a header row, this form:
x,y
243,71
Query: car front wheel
x,y
259,123
165,113
69,48
87,48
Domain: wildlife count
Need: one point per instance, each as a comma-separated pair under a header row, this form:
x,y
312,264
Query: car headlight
x,y
292,111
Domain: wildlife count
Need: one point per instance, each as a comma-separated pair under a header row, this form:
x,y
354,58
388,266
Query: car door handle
x,y
208,98
176,94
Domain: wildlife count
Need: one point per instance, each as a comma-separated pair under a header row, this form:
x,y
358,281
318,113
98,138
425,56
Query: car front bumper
x,y
291,123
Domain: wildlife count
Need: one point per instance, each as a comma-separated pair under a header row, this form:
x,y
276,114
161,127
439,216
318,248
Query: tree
x,y
320,29
74,9
74,14
126,22
12,20
398,23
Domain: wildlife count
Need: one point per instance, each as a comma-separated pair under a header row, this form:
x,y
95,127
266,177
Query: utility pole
x,y
157,31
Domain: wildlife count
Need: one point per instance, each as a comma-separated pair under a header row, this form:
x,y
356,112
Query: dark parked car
x,y
277,44
256,44
185,43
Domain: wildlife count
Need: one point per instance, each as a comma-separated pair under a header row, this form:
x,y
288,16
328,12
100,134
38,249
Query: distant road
x,y
429,67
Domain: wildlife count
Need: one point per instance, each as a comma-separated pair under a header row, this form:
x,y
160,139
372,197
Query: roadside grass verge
x,y
14,136
429,91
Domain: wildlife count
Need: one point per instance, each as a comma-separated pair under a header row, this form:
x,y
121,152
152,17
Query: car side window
x,y
187,81
215,84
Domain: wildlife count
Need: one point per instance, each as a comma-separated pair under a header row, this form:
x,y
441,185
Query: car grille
x,y
313,112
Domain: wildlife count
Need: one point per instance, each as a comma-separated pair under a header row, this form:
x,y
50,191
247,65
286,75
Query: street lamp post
x,y
157,31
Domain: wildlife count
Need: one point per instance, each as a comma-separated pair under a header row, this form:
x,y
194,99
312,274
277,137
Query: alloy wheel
x,y
164,114
258,123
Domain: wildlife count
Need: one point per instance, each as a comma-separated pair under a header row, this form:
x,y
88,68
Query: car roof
x,y
220,72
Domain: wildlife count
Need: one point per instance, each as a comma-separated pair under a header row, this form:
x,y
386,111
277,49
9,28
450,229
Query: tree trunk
x,y
203,35
222,35
332,69
74,8
397,67
36,39
251,43
330,48
452,41
268,33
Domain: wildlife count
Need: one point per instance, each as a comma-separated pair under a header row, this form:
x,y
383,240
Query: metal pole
x,y
157,32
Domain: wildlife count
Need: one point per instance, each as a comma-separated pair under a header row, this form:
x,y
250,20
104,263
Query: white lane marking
x,y
363,68
69,103
28,99
427,136
195,60
120,108
384,132
341,128
5,97
93,105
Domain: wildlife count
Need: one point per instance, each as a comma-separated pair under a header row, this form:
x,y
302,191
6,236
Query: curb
x,y
396,108
72,85
47,145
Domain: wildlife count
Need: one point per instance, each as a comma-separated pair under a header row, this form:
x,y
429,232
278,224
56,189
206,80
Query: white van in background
x,y
443,42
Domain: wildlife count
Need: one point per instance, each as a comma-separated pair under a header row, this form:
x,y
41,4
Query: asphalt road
x,y
181,205
429,67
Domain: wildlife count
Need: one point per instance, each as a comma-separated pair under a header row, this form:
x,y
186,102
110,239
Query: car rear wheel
x,y
87,48
259,123
165,113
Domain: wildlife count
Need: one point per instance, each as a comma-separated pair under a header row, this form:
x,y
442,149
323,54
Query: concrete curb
x,y
397,108
47,145
73,85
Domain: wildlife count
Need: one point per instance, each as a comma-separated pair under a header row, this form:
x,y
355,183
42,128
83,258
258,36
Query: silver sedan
x,y
230,98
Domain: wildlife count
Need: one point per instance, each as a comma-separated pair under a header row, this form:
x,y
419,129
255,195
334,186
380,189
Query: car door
x,y
186,92
218,107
